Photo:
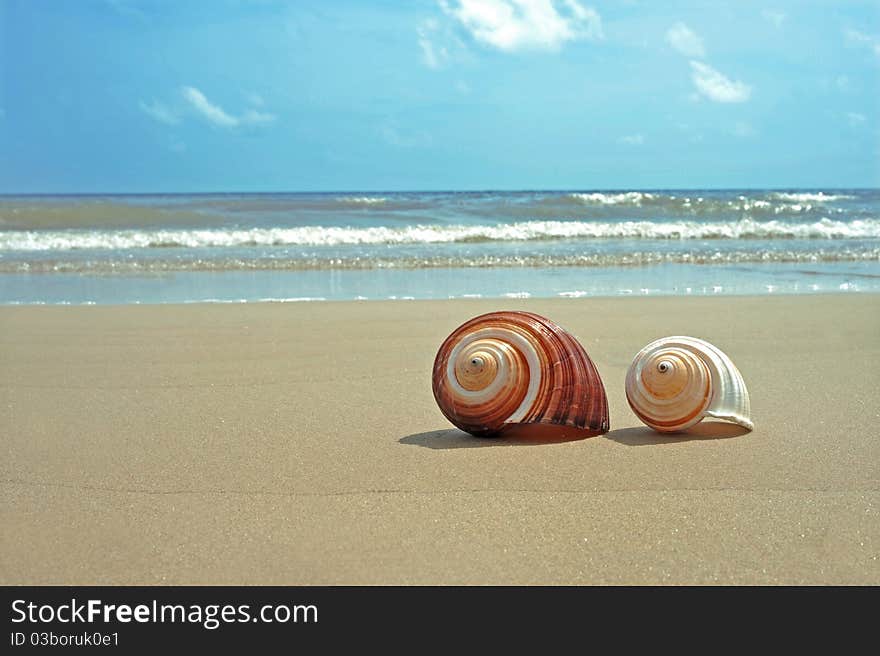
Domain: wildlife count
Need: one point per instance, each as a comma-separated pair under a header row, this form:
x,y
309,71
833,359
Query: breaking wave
x,y
689,203
131,266
623,198
361,200
61,240
810,197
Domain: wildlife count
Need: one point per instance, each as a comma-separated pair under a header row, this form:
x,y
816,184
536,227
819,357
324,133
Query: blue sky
x,y
127,95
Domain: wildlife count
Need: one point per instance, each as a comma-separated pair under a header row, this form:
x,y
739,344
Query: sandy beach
x,y
300,443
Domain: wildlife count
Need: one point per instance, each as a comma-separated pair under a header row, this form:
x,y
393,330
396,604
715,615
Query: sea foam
x,y
598,198
59,240
361,200
809,197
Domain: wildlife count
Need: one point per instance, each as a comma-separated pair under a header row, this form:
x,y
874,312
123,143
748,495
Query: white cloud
x,y
717,87
160,112
253,117
861,39
855,119
218,116
685,40
632,139
773,16
433,56
511,25
214,113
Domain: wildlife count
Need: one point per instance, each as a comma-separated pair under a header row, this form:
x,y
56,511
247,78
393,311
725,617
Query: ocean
x,y
178,248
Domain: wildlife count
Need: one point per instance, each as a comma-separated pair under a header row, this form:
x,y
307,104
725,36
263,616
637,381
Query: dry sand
x,y
300,444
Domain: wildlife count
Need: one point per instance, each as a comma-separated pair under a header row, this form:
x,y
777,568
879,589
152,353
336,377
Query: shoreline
x,y
675,281
469,298
263,443
455,299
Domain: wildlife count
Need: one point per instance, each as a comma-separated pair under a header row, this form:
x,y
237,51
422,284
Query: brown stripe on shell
x,y
570,393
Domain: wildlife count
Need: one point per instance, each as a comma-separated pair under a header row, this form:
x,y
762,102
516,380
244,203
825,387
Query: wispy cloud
x,y
512,25
773,16
434,56
632,140
126,8
216,115
253,117
685,40
717,87
855,119
858,38
160,112
709,82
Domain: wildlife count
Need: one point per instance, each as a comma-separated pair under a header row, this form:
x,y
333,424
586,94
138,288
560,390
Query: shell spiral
x,y
674,382
506,368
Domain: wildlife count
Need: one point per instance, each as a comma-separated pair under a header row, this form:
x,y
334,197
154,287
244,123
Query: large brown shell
x,y
505,369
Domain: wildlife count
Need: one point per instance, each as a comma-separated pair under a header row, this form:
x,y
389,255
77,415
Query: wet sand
x,y
300,444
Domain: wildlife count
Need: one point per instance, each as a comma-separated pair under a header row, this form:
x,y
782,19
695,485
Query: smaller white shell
x,y
674,382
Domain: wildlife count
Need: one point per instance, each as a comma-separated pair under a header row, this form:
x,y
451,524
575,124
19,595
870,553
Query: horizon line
x,y
430,191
